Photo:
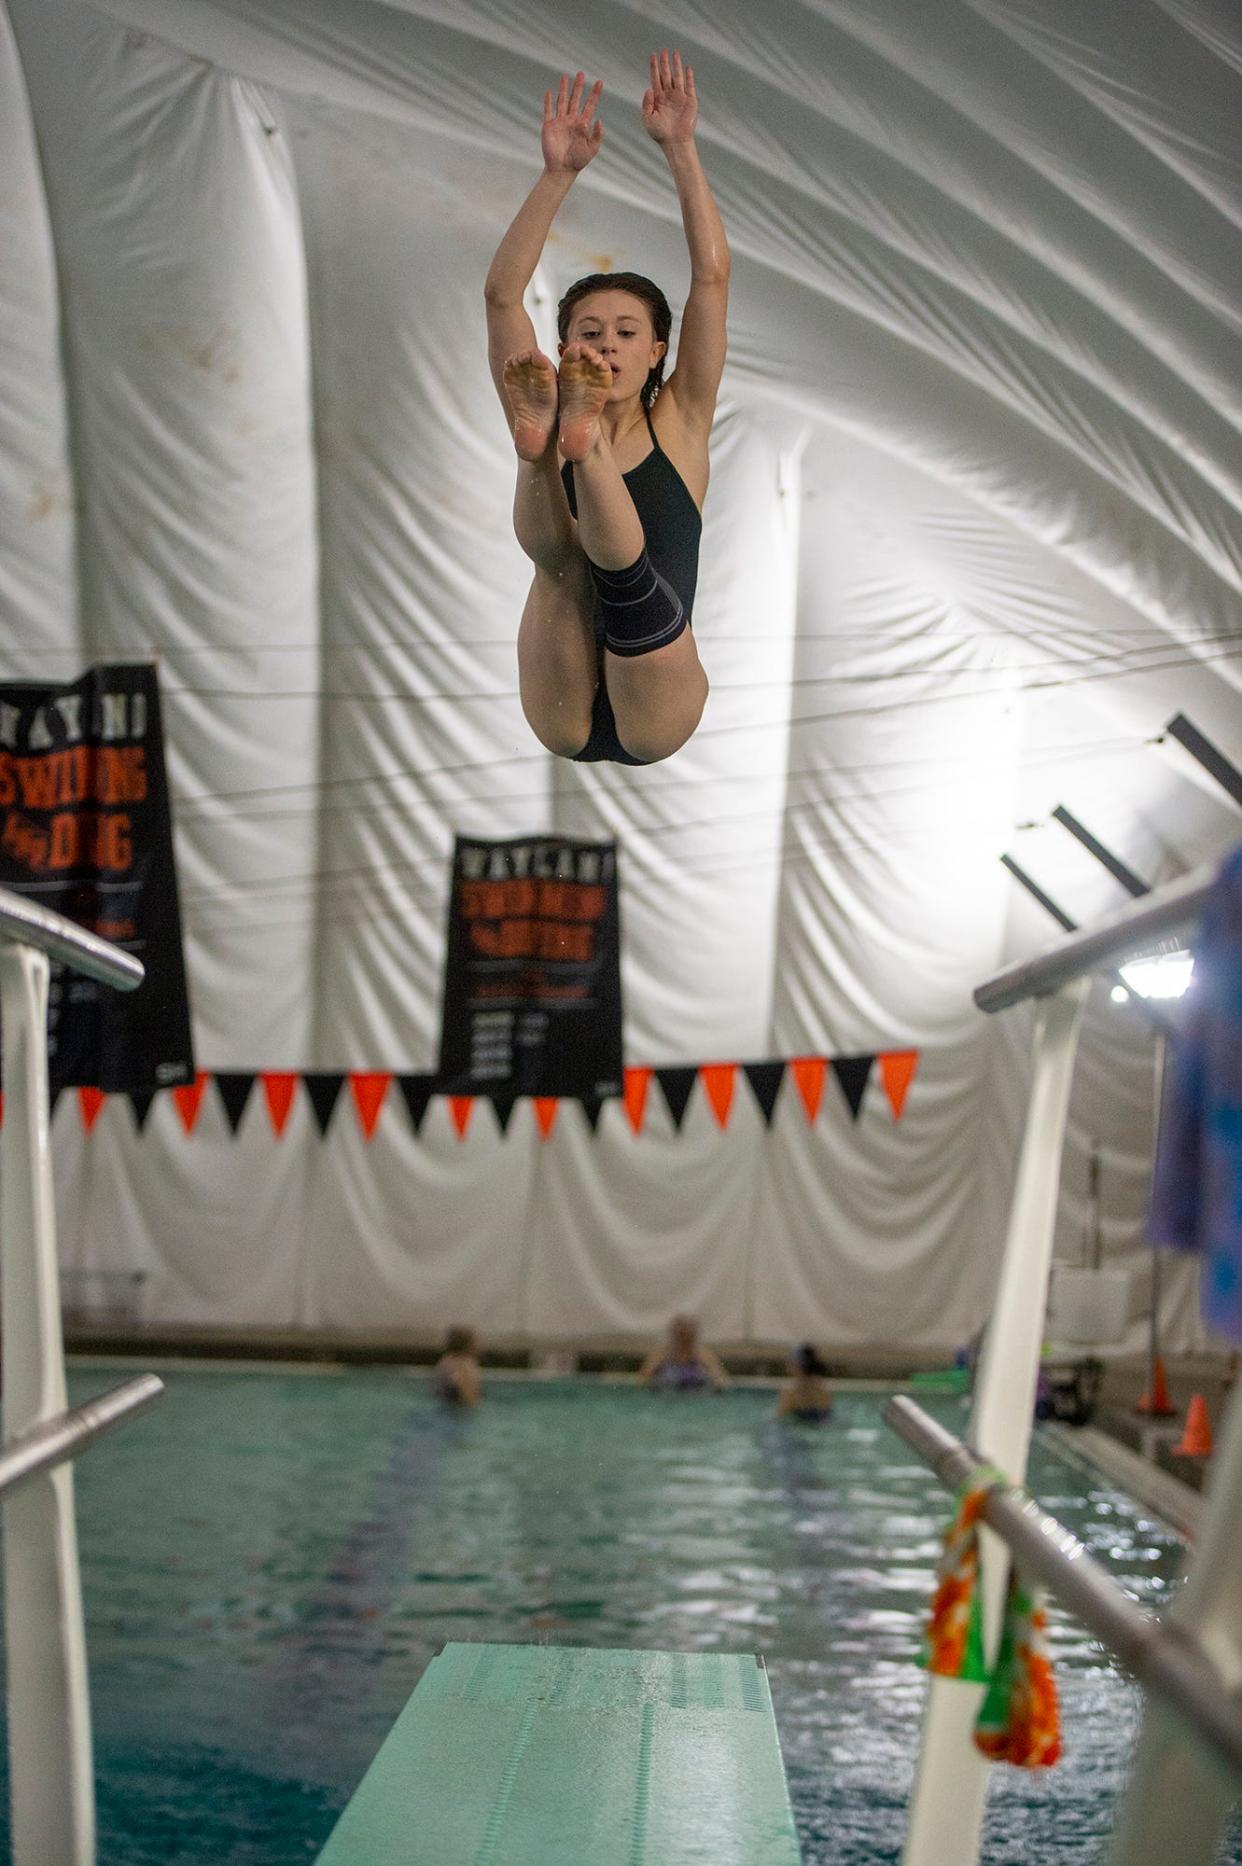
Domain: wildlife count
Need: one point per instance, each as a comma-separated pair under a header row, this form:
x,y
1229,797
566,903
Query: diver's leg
x,y
542,522
558,661
655,681
657,698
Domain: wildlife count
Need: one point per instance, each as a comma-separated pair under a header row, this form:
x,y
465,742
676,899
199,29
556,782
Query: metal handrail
x,y
1162,1657
62,939
48,1445
1165,910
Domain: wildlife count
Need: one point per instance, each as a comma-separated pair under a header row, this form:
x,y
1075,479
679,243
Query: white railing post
x,y
1180,1796
950,1785
52,1789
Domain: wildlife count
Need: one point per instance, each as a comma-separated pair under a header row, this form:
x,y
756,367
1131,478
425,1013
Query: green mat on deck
x,y
557,1756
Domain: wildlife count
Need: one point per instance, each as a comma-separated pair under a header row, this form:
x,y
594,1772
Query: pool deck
x,y
561,1756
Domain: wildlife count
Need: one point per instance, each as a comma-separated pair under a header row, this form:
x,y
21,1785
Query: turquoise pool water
x,y
270,1560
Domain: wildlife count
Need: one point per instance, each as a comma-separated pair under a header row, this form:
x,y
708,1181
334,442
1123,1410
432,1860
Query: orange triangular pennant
x,y
545,1107
461,1107
369,1088
718,1081
90,1101
897,1069
189,1099
809,1072
278,1086
637,1082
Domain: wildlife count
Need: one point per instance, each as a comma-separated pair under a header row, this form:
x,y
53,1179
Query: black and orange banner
x,y
532,981
717,1083
86,829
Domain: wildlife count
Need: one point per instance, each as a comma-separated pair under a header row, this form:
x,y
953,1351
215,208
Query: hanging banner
x,y
532,983
86,829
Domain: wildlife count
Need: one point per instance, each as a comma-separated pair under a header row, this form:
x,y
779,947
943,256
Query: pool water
x,y
269,1561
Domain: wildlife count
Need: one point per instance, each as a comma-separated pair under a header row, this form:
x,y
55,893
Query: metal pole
x,y
51,1771
1165,910
28,924
1157,1268
951,1777
62,1437
1169,1663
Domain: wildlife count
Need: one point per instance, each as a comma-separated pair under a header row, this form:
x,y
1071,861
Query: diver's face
x,y
619,326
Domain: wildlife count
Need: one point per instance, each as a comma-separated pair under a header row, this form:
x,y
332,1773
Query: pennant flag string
x,y
545,1107
189,1100
897,1069
369,1091
324,1090
808,1074
278,1088
637,1082
719,1080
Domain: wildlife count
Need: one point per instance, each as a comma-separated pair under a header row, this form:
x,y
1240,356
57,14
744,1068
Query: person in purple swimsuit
x,y
1196,1202
612,459
681,1364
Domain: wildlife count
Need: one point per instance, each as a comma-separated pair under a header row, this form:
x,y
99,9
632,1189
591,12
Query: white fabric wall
x,y
974,534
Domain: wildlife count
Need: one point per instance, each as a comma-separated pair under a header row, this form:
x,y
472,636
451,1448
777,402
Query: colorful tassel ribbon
x,y
1019,1719
953,1642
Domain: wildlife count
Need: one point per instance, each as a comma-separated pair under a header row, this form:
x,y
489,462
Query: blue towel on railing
x,y
1197,1192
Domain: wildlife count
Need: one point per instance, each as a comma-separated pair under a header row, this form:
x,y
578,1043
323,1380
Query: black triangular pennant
x,y
503,1101
677,1084
853,1073
418,1091
765,1080
140,1101
324,1090
592,1107
234,1092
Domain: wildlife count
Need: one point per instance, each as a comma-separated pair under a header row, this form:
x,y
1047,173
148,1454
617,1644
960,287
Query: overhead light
x,y
1164,975
1119,995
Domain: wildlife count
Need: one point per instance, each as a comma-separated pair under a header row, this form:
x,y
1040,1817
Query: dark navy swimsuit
x,y
672,527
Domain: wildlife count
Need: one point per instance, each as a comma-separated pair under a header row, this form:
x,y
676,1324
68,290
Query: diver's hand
x,y
571,133
671,104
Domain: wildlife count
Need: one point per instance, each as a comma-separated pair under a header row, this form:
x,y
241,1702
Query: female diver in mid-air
x,y
612,460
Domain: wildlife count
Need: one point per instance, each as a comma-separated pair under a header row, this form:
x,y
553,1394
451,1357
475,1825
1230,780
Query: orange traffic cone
x,y
1156,1400
1197,1437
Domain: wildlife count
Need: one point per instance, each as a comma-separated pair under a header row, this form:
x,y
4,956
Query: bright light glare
x,y
1119,995
1165,976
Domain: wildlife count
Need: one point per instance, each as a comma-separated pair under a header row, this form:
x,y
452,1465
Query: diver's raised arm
x,y
570,138
670,116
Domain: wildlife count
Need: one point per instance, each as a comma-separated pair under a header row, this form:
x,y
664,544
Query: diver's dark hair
x,y
807,1361
459,1340
638,287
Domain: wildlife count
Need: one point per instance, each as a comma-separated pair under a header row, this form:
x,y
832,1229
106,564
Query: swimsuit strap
x,y
651,430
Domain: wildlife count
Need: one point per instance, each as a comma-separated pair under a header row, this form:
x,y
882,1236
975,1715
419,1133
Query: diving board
x,y
560,1756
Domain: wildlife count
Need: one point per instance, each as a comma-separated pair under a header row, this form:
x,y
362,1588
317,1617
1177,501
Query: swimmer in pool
x,y
612,460
806,1395
681,1364
457,1378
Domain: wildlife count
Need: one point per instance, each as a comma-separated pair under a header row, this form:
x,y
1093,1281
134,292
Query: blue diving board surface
x,y
560,1756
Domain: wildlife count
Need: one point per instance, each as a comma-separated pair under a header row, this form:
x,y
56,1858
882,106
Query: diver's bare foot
x,y
586,383
532,393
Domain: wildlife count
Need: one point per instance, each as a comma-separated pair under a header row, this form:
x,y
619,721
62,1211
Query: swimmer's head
x,y
807,1362
461,1341
683,1332
627,308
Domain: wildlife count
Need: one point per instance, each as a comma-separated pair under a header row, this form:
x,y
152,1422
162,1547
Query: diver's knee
x,y
563,732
